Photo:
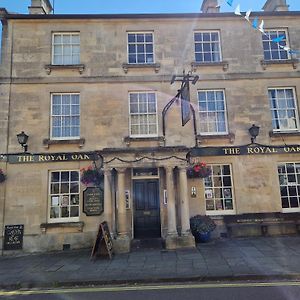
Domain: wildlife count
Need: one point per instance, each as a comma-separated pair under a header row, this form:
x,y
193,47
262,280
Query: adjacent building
x,y
92,89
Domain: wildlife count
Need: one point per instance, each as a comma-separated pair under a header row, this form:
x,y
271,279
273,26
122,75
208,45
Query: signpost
x,y
13,237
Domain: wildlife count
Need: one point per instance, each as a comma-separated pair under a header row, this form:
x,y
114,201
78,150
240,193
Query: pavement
x,y
259,258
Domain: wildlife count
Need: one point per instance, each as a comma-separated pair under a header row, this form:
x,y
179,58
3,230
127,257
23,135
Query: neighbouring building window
x,y
65,116
207,46
218,190
289,180
284,109
272,50
65,48
143,114
140,48
64,196
212,112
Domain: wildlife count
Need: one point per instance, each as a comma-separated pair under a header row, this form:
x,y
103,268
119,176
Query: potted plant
x,y
2,176
198,170
91,176
201,227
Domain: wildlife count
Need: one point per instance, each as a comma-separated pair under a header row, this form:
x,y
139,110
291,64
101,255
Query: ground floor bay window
x,y
218,190
289,180
64,189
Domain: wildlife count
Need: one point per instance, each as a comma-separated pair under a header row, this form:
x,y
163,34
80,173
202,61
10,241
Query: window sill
x,y
155,66
160,139
279,135
78,226
79,67
265,63
79,142
204,138
223,64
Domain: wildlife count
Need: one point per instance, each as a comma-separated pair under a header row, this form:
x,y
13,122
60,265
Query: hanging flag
x,y
278,39
238,10
248,13
261,27
255,23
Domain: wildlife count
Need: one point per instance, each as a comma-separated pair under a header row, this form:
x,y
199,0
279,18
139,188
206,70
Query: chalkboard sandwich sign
x,y
13,237
103,245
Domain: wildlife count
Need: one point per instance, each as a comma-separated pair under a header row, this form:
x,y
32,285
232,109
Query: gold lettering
x,y
286,149
232,151
250,150
41,158
26,158
86,157
74,157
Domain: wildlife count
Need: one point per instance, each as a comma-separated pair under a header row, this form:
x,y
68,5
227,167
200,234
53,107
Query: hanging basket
x,y
199,170
91,176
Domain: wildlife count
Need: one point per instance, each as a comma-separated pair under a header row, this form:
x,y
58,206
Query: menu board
x,y
93,201
103,244
13,237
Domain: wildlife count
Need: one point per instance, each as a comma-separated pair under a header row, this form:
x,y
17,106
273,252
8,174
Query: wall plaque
x,y
93,201
13,237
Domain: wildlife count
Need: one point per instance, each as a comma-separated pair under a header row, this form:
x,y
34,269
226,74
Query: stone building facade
x,y
86,86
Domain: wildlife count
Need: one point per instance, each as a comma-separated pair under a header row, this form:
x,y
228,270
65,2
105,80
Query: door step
x,y
140,244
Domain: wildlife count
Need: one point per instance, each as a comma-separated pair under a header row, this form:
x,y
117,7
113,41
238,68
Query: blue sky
x,y
134,6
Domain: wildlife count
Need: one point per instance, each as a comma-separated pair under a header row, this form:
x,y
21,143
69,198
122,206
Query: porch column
x,y
172,228
122,220
184,202
122,243
107,197
186,239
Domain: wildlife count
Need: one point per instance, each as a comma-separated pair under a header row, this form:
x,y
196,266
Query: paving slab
x,y
224,259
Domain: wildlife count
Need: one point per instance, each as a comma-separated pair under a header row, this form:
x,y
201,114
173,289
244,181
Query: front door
x,y
146,202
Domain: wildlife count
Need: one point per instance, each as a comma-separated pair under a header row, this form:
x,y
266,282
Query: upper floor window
x,y
212,112
207,46
143,114
272,50
140,48
284,109
65,116
64,192
65,48
289,181
218,190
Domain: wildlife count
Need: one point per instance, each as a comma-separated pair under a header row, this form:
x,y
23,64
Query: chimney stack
x,y
40,7
275,5
210,6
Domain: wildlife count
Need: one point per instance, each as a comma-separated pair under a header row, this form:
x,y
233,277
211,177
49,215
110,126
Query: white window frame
x,y
53,44
130,114
219,41
278,48
216,111
66,219
295,109
293,209
153,53
51,119
224,211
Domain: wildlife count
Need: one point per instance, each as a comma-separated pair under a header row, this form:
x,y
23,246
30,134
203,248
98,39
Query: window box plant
x,y
199,170
91,176
2,176
201,227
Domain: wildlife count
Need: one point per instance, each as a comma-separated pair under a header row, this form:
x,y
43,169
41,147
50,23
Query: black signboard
x,y
13,237
93,201
103,244
25,158
252,149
